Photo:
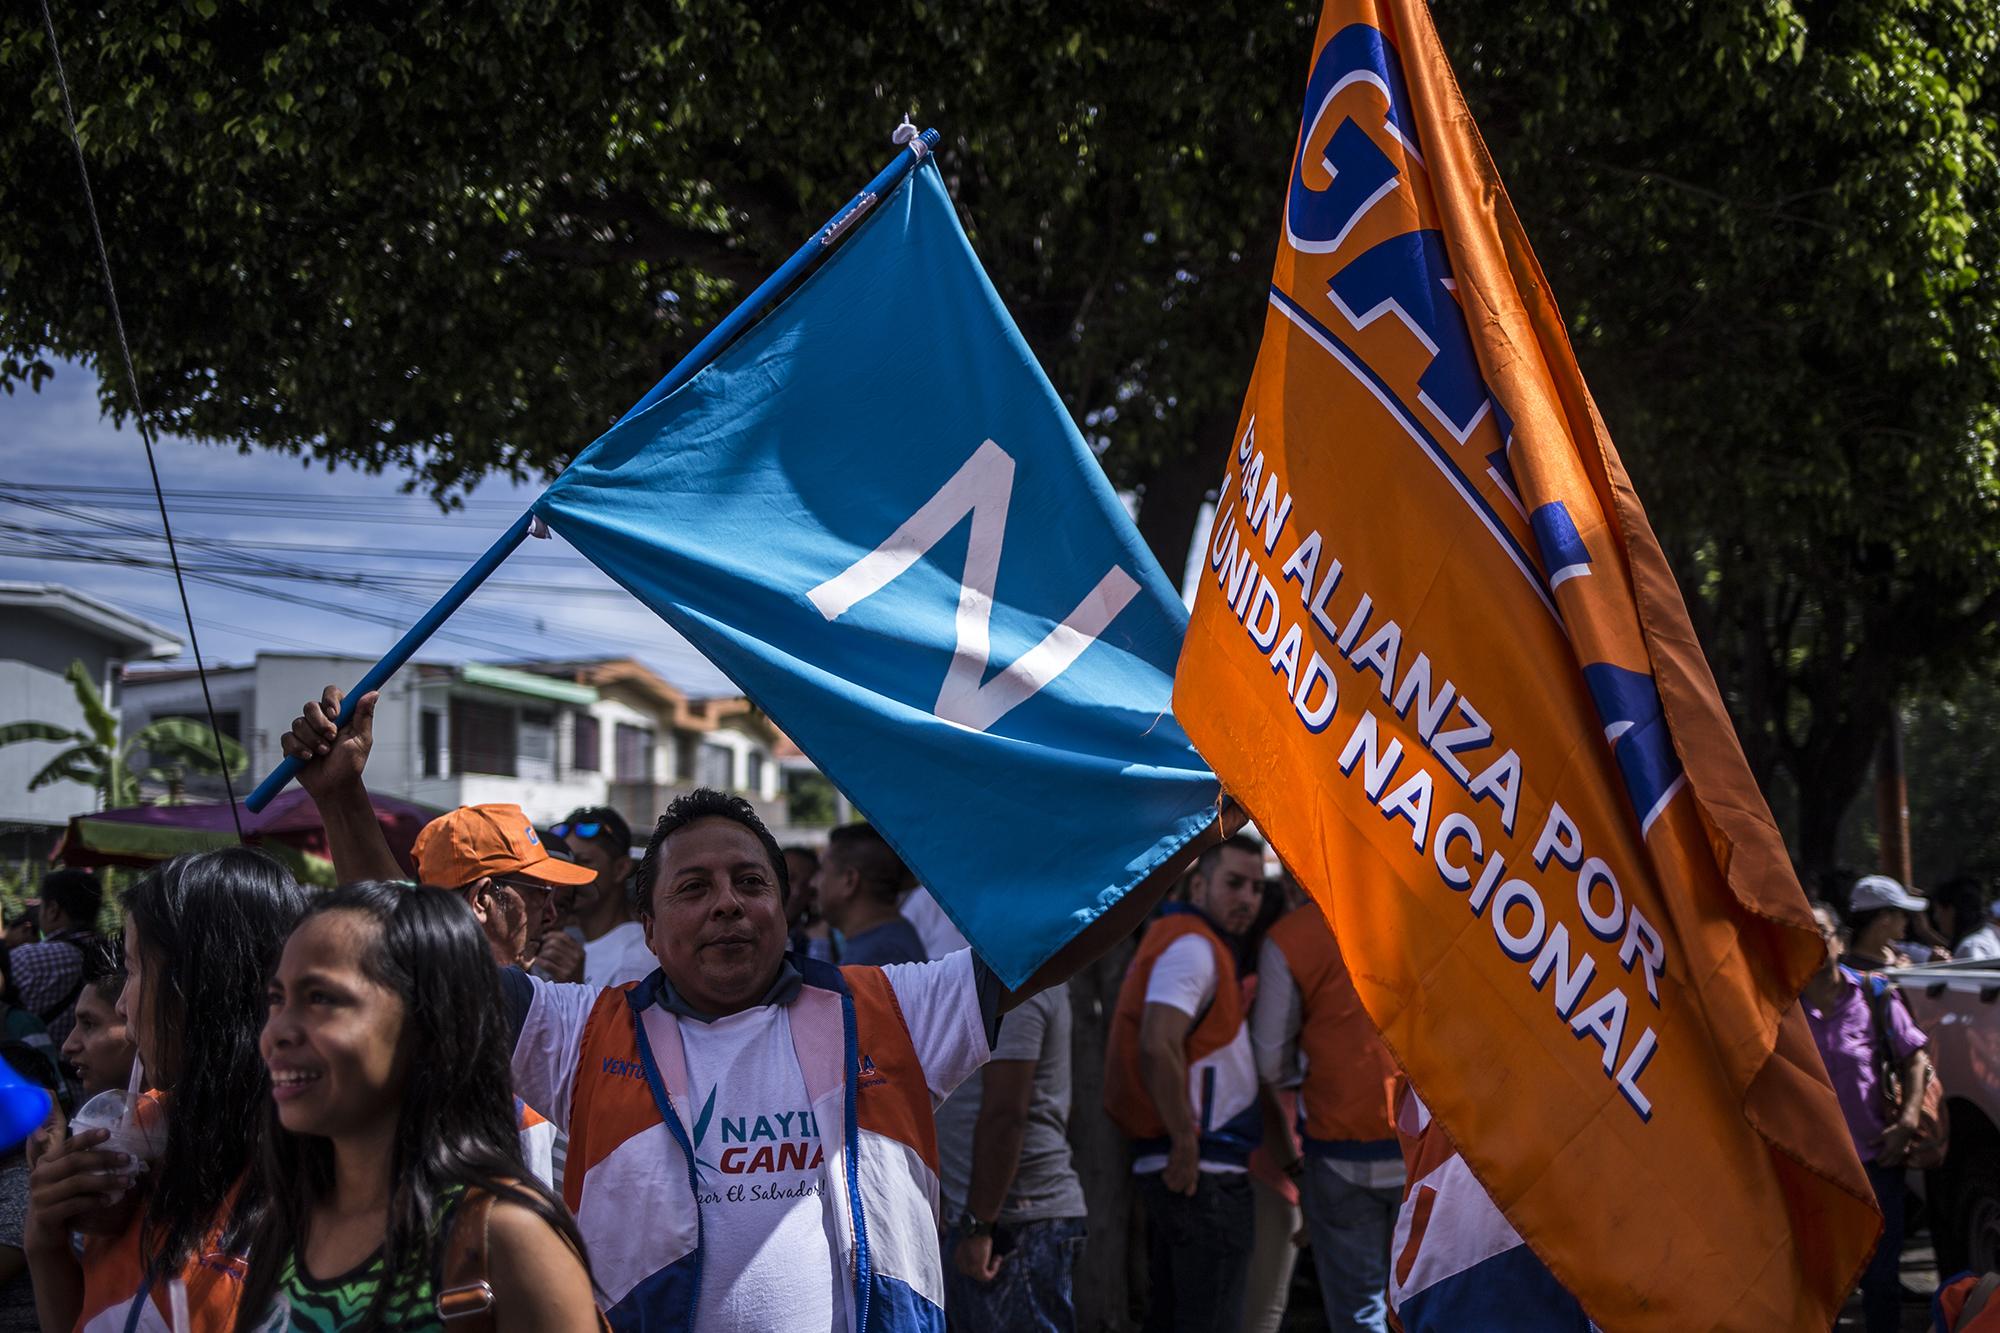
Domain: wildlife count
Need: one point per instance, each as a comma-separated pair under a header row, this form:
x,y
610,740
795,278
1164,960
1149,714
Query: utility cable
x,y
139,414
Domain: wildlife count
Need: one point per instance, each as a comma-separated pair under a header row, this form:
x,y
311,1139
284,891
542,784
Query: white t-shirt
x,y
1981,943
768,1258
1184,976
1184,979
934,928
617,956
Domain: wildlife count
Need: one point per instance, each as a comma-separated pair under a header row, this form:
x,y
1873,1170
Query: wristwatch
x,y
970,1226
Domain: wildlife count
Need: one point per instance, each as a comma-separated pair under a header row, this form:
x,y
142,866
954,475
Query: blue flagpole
x,y
705,351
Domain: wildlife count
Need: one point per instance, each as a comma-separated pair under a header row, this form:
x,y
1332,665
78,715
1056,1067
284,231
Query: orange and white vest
x,y
630,1176
1346,1102
117,1298
538,1142
1455,1261
1221,1070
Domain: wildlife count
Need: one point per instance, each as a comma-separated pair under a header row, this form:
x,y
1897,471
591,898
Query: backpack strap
x,y
1879,1000
464,1293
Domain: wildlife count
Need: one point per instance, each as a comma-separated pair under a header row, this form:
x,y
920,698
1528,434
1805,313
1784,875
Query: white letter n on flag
x,y
982,488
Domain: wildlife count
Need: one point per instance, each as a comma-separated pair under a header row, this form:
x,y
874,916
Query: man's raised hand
x,y
331,756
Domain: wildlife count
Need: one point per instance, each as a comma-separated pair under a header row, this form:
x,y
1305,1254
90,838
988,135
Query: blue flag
x,y
874,514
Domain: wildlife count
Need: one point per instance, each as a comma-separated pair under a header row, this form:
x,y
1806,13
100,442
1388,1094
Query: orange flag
x,y
1438,654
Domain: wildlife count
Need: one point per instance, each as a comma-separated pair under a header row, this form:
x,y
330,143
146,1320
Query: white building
x,y
44,627
547,736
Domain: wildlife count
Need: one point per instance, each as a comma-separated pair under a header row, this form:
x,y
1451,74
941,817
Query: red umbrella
x,y
289,827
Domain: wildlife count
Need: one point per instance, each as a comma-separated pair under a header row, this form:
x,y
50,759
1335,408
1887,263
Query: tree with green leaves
x,y
171,747
1772,227
449,242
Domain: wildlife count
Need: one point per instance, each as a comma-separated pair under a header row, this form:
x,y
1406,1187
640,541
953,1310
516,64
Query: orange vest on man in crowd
x,y
1350,1077
1222,1073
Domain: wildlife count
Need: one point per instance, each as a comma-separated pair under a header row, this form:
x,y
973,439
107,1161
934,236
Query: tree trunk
x,y
1892,804
1827,789
1172,491
1103,1291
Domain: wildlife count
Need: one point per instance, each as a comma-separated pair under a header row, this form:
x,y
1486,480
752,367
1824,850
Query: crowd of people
x,y
724,1085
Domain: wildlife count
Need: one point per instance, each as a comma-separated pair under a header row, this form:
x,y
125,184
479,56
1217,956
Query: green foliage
x,y
1771,227
97,758
1951,750
811,801
454,240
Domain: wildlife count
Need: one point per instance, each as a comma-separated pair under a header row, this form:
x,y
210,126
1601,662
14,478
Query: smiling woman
x,y
199,934
391,1163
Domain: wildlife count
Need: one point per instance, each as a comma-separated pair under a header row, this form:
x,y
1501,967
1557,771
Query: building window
x,y
588,746
537,761
715,767
684,748
431,725
634,757
228,721
482,737
753,781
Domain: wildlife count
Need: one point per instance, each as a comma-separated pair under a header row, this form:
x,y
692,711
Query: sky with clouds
x,y
287,556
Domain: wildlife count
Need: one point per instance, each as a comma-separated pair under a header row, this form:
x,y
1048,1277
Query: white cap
x,y
1876,891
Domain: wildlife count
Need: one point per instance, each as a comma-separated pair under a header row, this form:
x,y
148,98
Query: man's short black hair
x,y
104,967
860,847
78,892
1204,864
811,854
615,835
705,803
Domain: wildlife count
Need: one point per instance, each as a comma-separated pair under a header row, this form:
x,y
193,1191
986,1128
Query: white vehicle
x,y
1957,1004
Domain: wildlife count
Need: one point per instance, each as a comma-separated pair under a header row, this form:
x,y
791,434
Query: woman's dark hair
x,y
210,924
457,1127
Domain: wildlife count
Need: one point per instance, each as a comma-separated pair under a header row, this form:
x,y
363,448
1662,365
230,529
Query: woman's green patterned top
x,y
342,1303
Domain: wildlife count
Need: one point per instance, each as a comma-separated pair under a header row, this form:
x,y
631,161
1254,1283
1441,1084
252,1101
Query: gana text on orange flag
x,y
1438,654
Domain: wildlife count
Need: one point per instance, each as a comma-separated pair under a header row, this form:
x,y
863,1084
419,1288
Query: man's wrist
x,y
971,1226
347,796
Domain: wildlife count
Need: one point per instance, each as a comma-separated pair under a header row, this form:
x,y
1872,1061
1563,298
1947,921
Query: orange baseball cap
x,y
475,841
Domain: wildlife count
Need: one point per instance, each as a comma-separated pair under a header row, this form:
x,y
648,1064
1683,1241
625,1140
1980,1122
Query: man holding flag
x,y
1440,657
751,1134
833,510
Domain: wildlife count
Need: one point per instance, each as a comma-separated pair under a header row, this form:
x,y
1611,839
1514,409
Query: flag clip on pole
x,y
705,351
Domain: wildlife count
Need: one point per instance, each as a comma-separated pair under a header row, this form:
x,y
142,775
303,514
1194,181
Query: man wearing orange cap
x,y
488,854
492,856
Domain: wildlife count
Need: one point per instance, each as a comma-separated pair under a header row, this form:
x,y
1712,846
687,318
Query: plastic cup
x,y
125,1133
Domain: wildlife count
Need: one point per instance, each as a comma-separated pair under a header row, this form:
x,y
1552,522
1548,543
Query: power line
x,y
139,413
241,492
278,504
261,564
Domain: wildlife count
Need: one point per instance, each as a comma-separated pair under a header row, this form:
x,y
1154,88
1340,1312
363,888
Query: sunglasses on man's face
x,y
585,831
